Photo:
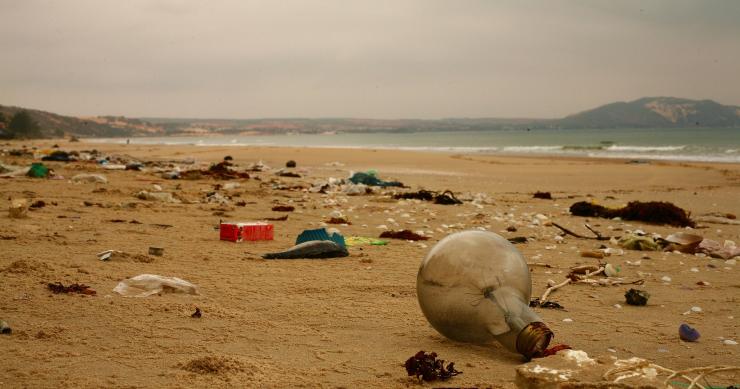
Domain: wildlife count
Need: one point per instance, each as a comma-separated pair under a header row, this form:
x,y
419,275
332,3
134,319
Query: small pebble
x,y
729,342
618,306
695,270
665,279
569,320
696,309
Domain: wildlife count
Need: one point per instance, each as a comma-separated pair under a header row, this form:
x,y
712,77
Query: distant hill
x,y
656,112
54,125
647,112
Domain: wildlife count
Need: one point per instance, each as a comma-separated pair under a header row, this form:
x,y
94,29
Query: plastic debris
x,y
714,249
636,297
444,198
38,170
321,234
688,333
18,209
145,285
164,197
361,240
90,179
637,242
370,178
5,328
426,367
314,249
158,251
251,231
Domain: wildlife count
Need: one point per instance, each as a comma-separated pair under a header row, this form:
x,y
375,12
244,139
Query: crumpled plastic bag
x,y
90,178
145,285
637,242
714,249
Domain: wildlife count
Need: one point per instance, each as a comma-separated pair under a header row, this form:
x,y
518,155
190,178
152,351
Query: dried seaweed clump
x,y
444,198
657,212
403,234
428,368
58,287
213,365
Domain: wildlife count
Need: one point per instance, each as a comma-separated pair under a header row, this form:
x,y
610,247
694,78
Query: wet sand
x,y
348,322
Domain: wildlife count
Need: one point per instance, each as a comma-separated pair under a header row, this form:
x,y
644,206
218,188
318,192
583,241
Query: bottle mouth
x,y
533,339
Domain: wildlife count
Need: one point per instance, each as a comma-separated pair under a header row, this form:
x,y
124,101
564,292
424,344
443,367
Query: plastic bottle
x,y
474,286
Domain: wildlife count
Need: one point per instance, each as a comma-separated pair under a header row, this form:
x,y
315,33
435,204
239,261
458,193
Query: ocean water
x,y
694,144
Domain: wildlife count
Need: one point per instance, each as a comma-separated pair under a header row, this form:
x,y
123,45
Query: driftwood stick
x,y
597,233
571,233
552,288
539,264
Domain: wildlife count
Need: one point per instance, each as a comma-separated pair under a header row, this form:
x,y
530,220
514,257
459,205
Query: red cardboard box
x,y
237,232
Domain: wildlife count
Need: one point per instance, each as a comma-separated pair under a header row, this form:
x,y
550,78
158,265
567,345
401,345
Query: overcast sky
x,y
372,58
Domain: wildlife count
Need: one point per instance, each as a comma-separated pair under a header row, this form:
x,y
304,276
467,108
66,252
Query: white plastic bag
x,y
145,285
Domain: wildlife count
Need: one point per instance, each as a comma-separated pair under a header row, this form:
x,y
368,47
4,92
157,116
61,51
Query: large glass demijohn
x,y
474,286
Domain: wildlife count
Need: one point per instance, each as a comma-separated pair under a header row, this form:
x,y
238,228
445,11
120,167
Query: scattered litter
x,y
283,173
251,231
688,333
714,249
593,254
444,198
38,170
403,234
58,287
5,328
683,242
636,297
518,239
158,251
637,242
542,195
717,219
657,212
164,197
314,249
18,209
370,178
38,204
360,240
197,314
117,255
535,303
611,270
426,367
319,234
145,285
90,179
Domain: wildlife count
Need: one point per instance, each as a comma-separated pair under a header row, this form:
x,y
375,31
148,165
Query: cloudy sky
x,y
372,58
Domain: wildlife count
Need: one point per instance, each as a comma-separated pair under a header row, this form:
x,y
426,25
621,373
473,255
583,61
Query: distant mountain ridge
x,y
647,112
52,124
656,112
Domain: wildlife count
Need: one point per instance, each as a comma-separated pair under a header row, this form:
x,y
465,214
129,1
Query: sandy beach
x,y
346,322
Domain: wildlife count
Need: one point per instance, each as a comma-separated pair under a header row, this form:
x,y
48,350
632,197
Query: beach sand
x,y
347,322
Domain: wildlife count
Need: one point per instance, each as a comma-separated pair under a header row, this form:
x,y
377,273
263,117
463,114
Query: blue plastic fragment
x,y
687,333
320,234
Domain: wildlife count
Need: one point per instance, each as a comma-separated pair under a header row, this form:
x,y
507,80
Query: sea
x,y
684,144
